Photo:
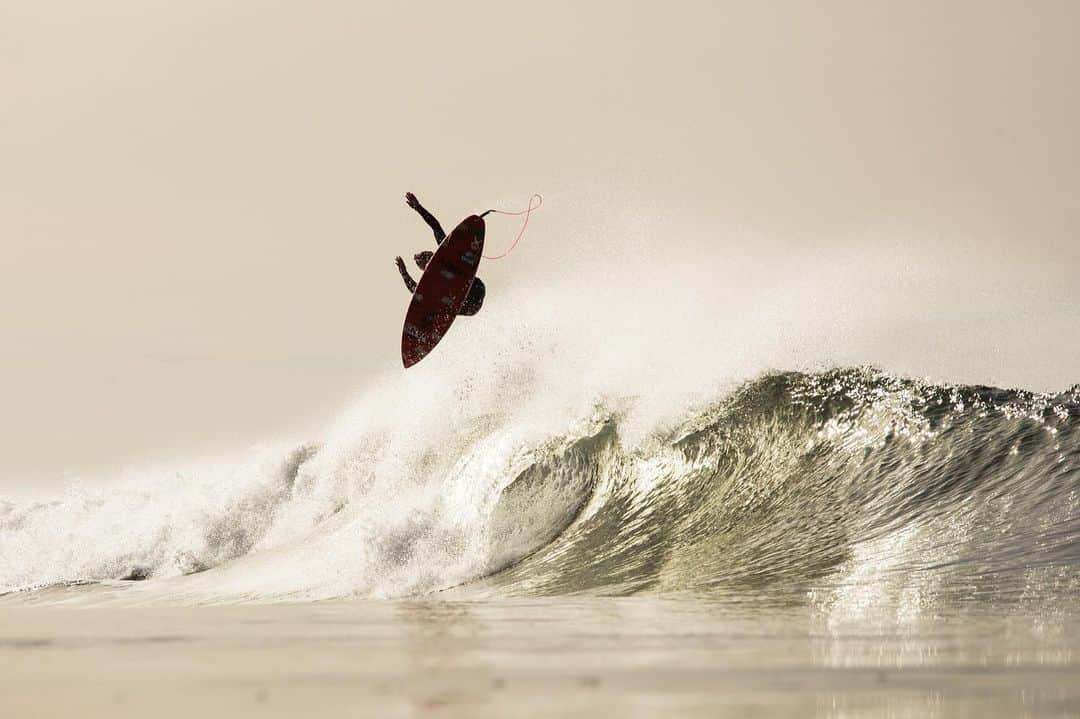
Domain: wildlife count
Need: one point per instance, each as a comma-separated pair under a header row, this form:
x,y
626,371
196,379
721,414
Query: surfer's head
x,y
422,258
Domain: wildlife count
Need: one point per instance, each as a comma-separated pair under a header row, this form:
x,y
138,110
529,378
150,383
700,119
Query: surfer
x,y
475,299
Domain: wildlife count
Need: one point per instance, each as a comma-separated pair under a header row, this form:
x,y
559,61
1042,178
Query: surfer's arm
x,y
409,282
411,201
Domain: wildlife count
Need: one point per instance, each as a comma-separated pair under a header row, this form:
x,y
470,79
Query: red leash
x,y
539,201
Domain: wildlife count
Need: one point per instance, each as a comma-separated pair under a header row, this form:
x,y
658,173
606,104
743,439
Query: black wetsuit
x,y
475,299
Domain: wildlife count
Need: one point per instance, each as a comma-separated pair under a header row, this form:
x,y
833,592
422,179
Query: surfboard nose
x,y
476,224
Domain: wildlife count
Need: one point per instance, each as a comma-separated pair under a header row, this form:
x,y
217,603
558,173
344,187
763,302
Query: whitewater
x,y
579,441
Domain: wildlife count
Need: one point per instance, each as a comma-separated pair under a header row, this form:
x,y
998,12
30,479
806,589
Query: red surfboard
x,y
442,290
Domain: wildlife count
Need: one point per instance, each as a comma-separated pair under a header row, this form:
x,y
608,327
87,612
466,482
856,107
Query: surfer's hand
x,y
411,201
400,264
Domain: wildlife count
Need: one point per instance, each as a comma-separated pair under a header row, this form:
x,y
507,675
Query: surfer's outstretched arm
x,y
410,283
411,201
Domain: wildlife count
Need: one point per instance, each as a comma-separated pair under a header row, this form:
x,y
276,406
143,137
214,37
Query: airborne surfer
x,y
449,286
475,298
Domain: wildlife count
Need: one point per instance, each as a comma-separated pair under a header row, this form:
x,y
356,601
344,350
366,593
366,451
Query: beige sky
x,y
200,201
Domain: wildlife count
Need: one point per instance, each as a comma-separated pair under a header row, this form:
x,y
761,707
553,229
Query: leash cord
x,y
539,199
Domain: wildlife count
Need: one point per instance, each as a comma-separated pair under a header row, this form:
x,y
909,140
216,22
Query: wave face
x,y
838,480
849,487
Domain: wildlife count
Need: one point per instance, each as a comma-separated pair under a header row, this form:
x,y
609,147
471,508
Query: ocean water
x,y
548,656
836,543
848,490
553,514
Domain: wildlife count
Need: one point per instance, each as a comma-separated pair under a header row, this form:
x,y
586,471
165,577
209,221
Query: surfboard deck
x,y
442,290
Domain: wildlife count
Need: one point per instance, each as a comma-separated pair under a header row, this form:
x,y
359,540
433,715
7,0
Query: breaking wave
x,y
826,485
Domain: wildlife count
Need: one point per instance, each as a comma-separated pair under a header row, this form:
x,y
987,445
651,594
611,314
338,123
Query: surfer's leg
x,y
405,276
411,201
474,300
